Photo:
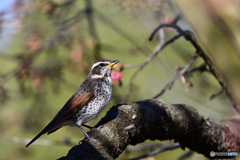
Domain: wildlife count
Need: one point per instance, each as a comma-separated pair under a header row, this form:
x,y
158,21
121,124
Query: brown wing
x,y
76,103
79,99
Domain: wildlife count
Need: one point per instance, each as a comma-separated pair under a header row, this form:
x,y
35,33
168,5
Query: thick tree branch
x,y
155,120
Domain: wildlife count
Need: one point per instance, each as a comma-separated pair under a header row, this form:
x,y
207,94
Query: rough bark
x,y
153,119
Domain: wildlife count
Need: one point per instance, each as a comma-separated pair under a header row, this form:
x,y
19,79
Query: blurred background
x,y
47,48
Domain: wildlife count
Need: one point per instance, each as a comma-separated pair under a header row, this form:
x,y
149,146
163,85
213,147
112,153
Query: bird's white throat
x,y
95,76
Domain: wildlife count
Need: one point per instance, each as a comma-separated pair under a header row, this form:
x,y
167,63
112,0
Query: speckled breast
x,y
103,92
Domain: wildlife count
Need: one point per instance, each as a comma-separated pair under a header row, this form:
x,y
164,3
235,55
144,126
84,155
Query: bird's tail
x,y
35,138
51,127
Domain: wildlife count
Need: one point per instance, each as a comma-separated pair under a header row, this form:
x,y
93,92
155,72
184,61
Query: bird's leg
x,y
89,127
86,135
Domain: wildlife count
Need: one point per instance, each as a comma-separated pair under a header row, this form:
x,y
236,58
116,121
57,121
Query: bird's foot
x,y
89,127
87,138
80,142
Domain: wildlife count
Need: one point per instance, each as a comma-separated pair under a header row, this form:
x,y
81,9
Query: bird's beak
x,y
114,62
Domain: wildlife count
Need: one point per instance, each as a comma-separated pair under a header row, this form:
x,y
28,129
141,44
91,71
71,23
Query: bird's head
x,y
102,68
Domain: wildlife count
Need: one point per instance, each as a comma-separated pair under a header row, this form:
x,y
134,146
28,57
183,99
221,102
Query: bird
x,y
91,97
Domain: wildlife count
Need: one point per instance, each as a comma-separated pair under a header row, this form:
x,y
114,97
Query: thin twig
x,y
201,68
216,94
155,52
143,147
157,49
185,155
157,151
63,26
189,36
109,23
182,72
143,64
173,23
126,66
66,3
164,45
40,142
92,29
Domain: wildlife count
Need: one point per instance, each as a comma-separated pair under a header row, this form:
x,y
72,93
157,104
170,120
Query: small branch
x,y
157,49
189,36
66,3
173,23
201,68
143,147
157,151
182,72
118,30
216,94
39,141
164,45
140,66
62,27
155,52
126,66
185,155
92,29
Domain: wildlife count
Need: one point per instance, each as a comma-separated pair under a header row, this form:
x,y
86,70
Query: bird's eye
x,y
102,65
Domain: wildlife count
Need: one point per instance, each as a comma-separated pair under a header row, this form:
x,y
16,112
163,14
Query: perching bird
x,y
87,102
